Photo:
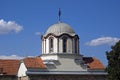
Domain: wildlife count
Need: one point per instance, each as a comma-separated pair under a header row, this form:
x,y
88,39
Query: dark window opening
x,y
51,44
76,45
65,44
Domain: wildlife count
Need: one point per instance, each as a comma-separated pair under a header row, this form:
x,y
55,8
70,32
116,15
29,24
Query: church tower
x,y
60,38
60,48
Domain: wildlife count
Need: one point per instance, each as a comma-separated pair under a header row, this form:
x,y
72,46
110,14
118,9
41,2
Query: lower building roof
x,y
9,67
93,63
34,62
102,72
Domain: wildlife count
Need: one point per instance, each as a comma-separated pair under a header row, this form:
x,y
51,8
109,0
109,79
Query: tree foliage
x,y
113,58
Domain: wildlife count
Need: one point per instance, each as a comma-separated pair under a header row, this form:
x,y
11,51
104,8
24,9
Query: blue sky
x,y
97,22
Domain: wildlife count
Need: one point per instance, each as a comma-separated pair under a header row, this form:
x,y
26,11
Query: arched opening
x,y
64,44
76,45
51,44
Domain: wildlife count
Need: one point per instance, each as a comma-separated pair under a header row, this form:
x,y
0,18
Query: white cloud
x,y
37,33
8,27
11,57
102,41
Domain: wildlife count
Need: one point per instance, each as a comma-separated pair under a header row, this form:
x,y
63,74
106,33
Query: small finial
x,y
59,14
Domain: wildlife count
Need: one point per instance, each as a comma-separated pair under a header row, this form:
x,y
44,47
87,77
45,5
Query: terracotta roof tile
x,y
93,63
9,67
34,62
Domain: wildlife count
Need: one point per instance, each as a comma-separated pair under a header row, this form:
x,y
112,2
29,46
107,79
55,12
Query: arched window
x,y
65,44
51,44
76,45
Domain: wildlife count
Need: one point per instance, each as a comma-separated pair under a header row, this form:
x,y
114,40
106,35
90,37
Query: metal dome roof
x,y
60,28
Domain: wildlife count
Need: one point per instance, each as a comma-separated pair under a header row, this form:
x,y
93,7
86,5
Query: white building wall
x,y
42,46
22,70
46,49
74,45
69,45
47,46
55,46
49,58
44,42
60,45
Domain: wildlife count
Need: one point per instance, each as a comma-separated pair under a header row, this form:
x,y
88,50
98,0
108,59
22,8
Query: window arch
x,y
51,42
64,44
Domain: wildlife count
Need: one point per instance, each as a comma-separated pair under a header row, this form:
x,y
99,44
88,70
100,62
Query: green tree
x,y
113,58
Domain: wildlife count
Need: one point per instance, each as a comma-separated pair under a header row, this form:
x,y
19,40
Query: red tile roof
x,y
9,67
93,63
34,62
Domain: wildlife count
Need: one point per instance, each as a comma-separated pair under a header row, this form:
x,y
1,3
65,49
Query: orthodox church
x,y
60,59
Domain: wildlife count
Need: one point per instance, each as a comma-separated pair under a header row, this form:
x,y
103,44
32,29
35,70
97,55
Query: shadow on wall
x,y
52,64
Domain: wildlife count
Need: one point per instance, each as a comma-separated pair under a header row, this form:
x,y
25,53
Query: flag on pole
x,y
59,14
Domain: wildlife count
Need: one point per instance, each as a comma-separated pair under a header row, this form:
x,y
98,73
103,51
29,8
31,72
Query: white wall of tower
x,y
58,45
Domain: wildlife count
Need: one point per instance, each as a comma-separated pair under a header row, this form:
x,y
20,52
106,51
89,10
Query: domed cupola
x,y
60,38
59,29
